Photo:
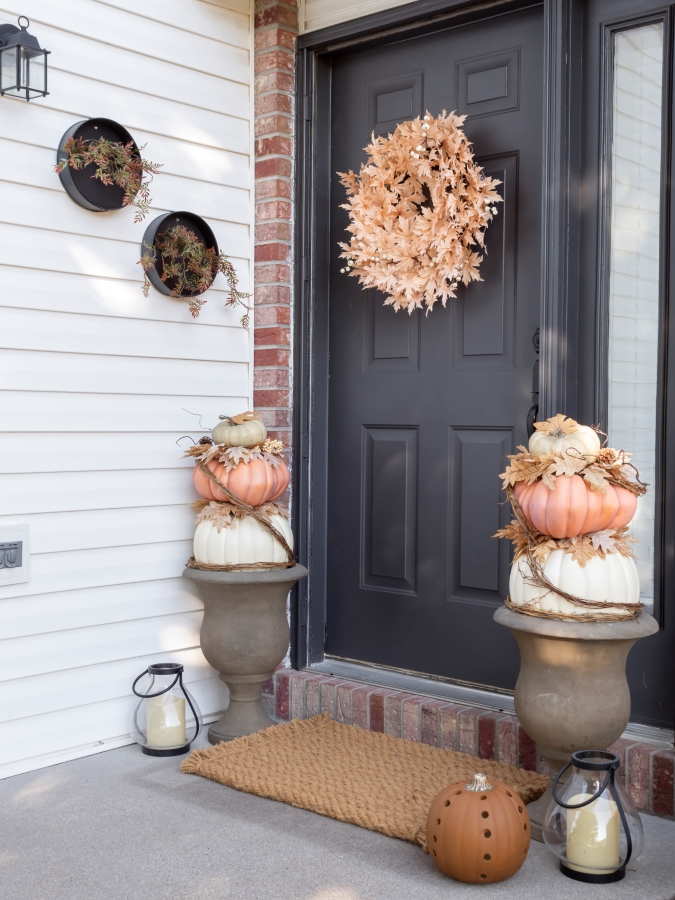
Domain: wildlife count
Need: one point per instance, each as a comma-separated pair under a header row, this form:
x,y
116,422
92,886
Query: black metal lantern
x,y
23,63
591,824
167,719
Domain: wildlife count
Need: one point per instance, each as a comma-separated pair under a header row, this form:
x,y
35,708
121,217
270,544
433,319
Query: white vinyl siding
x,y
95,379
316,14
634,271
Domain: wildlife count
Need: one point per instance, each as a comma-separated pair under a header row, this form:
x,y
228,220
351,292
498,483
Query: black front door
x,y
423,410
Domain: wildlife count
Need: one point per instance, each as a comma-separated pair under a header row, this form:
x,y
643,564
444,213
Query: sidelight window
x,y
634,277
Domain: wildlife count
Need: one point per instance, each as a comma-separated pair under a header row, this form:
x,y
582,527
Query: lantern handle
x,y
27,25
608,778
194,711
622,816
147,696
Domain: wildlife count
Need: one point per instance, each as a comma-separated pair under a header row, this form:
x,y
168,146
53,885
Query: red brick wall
x,y
276,27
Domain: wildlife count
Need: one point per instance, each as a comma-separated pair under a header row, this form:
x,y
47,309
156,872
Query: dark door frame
x,y
563,47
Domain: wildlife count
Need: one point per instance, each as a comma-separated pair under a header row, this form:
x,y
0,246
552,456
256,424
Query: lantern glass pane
x,y
8,69
635,269
33,70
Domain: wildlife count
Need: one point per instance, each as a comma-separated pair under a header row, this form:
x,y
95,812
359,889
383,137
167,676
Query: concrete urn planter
x,y
244,636
572,693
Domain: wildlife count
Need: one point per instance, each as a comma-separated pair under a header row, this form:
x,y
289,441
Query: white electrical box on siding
x,y
14,554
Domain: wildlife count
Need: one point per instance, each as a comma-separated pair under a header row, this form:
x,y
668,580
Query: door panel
x,y
423,409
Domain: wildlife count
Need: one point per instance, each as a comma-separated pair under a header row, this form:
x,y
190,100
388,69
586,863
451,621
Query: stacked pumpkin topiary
x,y
573,501
239,473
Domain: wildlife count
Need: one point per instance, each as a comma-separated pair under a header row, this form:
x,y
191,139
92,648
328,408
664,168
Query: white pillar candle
x,y
593,835
166,721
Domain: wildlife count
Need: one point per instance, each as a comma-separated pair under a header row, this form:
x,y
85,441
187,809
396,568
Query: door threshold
x,y
458,692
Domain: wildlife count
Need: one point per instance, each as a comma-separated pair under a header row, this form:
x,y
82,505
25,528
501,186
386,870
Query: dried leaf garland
x,y
224,515
610,467
581,549
419,209
232,456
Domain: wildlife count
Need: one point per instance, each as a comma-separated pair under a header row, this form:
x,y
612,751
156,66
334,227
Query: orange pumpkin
x,y
255,482
573,508
478,833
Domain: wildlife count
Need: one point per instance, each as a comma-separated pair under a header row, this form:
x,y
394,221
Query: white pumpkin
x,y
613,578
584,440
250,433
245,541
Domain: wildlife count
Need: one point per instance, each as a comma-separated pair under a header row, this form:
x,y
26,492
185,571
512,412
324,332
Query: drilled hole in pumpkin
x,y
525,827
434,853
485,814
435,839
438,821
487,833
487,856
483,876
509,794
520,809
457,793
483,797
447,803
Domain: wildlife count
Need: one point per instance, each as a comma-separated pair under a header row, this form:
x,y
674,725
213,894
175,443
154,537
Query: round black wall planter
x,y
156,230
79,184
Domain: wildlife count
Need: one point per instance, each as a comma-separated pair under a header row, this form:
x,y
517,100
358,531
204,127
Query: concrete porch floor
x,y
123,826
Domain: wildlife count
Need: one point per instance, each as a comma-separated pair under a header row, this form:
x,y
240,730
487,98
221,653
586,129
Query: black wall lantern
x,y
23,63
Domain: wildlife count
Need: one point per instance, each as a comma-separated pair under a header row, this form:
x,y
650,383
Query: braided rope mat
x,y
374,780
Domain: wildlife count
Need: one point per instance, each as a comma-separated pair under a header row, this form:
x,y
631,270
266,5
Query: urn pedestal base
x,y
244,636
572,693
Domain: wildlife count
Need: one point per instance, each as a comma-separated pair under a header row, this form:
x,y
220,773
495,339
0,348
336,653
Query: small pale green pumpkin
x,y
244,430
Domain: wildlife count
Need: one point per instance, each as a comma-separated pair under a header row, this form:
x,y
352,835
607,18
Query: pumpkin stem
x,y
479,783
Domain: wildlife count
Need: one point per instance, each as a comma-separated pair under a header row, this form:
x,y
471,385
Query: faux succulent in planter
x,y
180,263
116,163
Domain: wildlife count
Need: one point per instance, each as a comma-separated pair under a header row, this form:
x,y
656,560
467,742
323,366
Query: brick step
x,y
647,770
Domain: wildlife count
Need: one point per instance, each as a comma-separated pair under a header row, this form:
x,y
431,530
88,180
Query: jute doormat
x,y
373,780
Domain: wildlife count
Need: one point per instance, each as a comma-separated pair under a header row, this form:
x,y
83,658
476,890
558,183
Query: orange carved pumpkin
x,y
478,833
255,482
573,508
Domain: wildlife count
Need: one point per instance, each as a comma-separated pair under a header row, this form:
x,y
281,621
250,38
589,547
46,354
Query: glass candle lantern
x,y
167,718
591,824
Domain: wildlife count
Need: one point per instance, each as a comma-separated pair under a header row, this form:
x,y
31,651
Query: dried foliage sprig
x,y
186,258
116,163
232,456
581,549
609,466
419,209
224,515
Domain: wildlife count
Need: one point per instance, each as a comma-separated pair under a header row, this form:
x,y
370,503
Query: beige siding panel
x,y
88,530
92,722
27,411
102,451
68,332
85,295
50,492
62,650
96,380
22,698
49,207
79,569
81,255
66,610
210,165
215,22
322,13
155,40
78,373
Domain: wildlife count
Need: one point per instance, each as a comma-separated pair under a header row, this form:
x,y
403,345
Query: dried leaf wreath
x,y
232,456
419,209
